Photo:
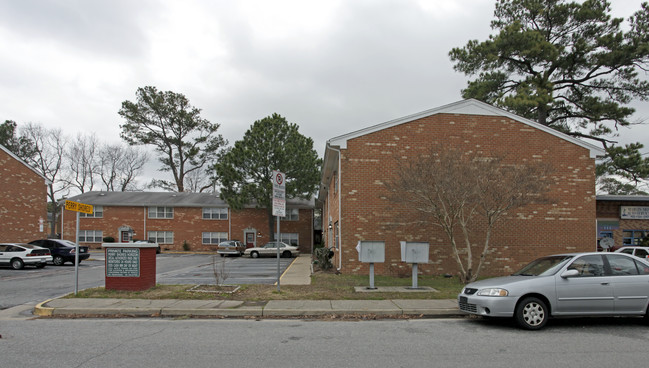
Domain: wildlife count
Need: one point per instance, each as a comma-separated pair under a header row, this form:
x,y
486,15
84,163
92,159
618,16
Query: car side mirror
x,y
570,273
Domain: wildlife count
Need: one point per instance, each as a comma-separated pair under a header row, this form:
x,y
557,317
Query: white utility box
x,y
371,251
414,252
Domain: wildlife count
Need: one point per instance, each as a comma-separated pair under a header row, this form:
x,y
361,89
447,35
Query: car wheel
x,y
254,254
58,261
286,254
531,314
17,264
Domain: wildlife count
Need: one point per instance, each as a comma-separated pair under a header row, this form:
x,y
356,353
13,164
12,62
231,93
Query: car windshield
x,y
543,266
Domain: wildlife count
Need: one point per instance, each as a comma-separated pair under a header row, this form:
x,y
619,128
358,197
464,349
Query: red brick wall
x,y
147,277
23,201
567,224
188,226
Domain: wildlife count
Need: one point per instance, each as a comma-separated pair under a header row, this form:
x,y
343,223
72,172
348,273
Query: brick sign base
x,y
130,266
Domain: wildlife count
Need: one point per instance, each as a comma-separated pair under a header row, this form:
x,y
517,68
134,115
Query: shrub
x,y
108,239
323,256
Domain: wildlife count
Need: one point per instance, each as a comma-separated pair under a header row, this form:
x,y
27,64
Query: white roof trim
x,y
24,163
464,107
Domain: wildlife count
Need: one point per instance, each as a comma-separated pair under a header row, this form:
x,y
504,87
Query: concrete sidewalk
x,y
298,273
89,307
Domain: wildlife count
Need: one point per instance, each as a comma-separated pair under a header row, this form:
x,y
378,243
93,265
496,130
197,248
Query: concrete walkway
x,y
298,273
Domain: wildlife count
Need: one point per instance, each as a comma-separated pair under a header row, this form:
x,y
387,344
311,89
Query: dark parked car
x,y
18,255
62,250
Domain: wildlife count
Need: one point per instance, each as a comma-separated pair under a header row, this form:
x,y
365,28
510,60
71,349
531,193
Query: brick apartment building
x,y
355,200
199,220
623,219
23,200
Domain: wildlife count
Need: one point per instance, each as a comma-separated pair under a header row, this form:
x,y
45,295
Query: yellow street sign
x,y
78,207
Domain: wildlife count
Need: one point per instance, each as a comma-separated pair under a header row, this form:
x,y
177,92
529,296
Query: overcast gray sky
x,y
330,66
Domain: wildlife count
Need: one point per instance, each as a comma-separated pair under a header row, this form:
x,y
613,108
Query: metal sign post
x,y
279,209
77,207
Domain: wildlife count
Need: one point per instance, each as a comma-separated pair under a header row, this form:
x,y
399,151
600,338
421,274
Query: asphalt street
x,y
271,343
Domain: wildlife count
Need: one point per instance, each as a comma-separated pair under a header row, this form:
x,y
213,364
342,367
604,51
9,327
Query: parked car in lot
x,y
62,250
642,252
17,255
270,249
231,247
576,284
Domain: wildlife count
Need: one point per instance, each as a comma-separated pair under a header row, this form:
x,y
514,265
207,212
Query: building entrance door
x,y
250,239
125,236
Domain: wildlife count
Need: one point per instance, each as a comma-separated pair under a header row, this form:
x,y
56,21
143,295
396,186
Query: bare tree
x,y
199,181
120,165
49,152
465,194
82,162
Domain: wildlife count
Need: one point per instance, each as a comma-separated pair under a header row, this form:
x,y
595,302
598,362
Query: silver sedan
x,y
577,284
270,249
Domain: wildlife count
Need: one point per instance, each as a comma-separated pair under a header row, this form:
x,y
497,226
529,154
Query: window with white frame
x,y
214,237
292,214
161,212
91,236
162,237
288,238
215,213
97,212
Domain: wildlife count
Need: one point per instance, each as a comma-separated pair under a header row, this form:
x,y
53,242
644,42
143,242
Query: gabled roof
x,y
5,149
463,107
164,199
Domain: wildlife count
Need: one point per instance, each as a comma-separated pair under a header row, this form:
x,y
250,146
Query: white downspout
x,y
146,234
340,216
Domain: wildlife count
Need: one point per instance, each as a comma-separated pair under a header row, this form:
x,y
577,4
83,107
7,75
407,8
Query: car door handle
x,y
605,283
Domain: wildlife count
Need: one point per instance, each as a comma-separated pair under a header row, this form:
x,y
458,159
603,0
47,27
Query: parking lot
x,y
32,285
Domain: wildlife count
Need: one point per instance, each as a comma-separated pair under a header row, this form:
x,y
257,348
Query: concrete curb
x,y
41,310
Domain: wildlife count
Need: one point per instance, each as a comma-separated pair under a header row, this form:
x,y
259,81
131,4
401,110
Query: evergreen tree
x,y
566,65
271,143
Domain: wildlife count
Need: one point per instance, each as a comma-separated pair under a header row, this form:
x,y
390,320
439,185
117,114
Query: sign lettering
x,y
122,262
78,207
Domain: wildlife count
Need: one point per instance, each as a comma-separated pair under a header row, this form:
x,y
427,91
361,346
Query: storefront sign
x,y
634,213
122,262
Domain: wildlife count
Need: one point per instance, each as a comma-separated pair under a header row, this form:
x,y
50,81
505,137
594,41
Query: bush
x,y
186,246
323,257
108,239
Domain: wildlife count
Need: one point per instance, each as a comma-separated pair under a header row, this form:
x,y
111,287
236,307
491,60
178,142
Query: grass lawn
x,y
324,286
